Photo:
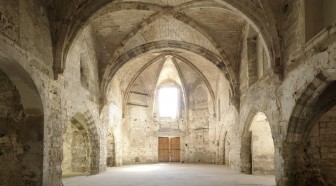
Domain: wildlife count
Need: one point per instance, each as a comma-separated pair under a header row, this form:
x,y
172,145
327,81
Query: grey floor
x,y
169,174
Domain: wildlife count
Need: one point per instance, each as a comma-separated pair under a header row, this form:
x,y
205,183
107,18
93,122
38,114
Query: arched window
x,y
168,93
168,100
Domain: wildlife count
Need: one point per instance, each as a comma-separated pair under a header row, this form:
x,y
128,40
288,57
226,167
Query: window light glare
x,y
168,102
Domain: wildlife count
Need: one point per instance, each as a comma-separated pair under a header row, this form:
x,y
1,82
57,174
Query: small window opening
x,y
168,102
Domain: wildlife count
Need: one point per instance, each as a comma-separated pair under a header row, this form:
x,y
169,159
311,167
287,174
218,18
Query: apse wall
x,y
204,124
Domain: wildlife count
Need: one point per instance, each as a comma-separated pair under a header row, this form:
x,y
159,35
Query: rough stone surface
x,y
86,74
21,148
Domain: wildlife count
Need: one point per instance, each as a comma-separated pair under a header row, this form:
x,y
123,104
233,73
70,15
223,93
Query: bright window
x,y
168,102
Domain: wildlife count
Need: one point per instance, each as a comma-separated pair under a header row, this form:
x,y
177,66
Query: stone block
x,y
4,139
332,155
325,149
322,124
327,131
328,144
332,149
328,138
332,124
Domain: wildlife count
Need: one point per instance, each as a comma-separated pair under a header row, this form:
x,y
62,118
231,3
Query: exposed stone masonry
x,y
79,81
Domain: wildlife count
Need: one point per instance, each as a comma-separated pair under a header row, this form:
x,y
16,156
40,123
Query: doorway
x,y
169,149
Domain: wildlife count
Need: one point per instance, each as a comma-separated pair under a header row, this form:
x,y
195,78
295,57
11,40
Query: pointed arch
x,y
136,52
85,125
251,150
303,110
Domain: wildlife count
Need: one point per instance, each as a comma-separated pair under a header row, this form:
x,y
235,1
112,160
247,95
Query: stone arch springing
x,y
257,146
85,127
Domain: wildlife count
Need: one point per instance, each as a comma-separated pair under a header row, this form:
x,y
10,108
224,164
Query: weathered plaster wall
x,y
112,115
138,127
200,141
227,148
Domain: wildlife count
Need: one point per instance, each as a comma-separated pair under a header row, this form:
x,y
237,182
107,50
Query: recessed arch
x,y
21,126
257,146
169,82
85,130
157,59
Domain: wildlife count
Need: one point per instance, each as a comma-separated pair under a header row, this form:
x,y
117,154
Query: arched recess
x,y
190,64
257,146
200,107
308,150
81,147
110,148
21,127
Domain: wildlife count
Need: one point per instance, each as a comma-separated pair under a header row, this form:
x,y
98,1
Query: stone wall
x,y
113,121
80,95
200,142
76,152
321,150
26,55
201,126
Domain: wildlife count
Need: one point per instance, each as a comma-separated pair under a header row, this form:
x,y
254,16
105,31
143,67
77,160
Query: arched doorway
x,y
21,129
257,151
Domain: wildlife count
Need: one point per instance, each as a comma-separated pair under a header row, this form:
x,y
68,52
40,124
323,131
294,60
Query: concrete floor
x,y
170,175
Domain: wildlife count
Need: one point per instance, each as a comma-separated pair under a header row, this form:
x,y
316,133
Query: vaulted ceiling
x,y
139,31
